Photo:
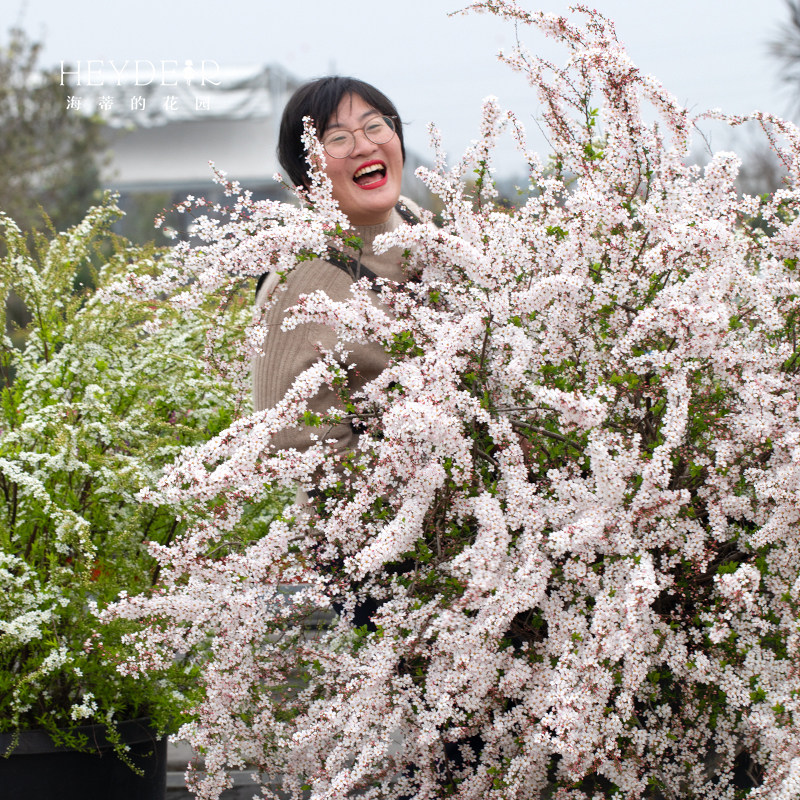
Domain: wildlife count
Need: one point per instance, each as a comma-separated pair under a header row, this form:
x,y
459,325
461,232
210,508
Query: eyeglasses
x,y
341,143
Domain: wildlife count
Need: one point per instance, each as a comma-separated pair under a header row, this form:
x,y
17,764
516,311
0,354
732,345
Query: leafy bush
x,y
100,398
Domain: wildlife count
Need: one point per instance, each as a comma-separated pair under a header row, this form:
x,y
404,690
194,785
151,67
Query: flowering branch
x,y
615,612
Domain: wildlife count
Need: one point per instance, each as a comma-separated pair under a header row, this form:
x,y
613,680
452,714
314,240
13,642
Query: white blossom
x,y
573,505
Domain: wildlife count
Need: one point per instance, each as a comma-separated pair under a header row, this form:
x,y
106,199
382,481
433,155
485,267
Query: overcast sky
x,y
709,53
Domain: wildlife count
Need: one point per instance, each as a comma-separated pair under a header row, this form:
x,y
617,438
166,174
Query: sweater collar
x,y
367,233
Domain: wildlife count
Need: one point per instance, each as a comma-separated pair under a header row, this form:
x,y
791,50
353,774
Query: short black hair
x,y
320,99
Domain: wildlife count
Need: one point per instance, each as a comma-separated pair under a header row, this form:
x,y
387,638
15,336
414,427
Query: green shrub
x,y
100,398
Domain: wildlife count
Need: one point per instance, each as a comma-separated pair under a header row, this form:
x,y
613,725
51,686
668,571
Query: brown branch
x,y
523,425
157,570
487,457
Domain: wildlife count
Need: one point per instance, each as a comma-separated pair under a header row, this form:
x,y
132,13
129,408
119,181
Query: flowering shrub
x,y
101,397
574,498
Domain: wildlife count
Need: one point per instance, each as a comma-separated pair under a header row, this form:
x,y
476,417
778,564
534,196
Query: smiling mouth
x,y
371,175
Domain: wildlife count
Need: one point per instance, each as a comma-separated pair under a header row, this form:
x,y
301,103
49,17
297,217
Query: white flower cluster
x,y
25,607
92,408
86,709
573,509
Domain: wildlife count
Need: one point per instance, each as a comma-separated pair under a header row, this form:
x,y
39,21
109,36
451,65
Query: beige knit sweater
x,y
288,353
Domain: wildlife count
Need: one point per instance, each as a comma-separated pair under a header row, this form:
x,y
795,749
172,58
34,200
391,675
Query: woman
x,y
363,139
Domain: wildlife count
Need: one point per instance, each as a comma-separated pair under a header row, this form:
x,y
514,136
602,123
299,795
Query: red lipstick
x,y
372,184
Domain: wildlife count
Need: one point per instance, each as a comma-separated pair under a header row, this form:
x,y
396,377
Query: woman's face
x,y
369,198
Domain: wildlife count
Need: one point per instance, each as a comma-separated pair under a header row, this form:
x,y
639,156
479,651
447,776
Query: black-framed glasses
x,y
340,143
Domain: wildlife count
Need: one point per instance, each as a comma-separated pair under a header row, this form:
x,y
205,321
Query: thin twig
x,y
544,432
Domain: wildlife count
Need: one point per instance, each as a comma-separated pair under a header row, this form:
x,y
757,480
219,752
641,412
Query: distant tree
x,y
49,154
785,48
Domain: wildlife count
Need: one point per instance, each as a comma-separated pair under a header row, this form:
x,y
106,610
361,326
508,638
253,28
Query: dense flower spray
x,y
574,499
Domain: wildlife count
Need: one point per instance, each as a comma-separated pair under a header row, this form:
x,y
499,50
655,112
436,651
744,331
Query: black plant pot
x,y
39,770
